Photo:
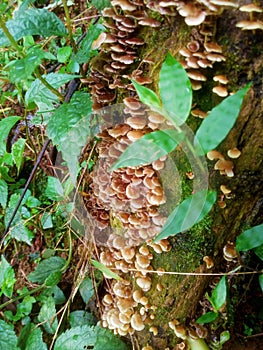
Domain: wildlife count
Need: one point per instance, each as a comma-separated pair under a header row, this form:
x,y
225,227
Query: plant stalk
x,y
46,83
11,38
68,21
21,296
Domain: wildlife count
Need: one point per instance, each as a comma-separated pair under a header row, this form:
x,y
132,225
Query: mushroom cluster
x,y
251,23
126,307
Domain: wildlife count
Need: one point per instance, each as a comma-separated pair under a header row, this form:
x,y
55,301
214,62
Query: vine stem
x,y
68,21
22,296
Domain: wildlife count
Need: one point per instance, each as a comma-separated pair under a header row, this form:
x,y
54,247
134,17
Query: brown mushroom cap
x,y
220,91
150,22
250,8
125,5
233,153
221,79
195,75
212,47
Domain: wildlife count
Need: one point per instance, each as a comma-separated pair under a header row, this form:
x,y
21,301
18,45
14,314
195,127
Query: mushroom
x,y
225,190
209,262
125,5
137,322
229,251
153,330
220,91
150,22
214,154
221,79
233,153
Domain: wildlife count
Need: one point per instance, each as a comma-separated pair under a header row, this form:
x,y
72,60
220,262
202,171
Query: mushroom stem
x,y
197,344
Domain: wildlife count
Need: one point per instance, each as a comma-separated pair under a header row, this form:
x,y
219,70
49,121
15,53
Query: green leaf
x,y
33,22
86,289
55,292
8,339
219,294
207,318
39,94
54,189
18,153
148,97
69,128
105,270
53,279
197,344
224,337
23,309
106,340
64,54
6,125
175,90
35,340
46,221
47,315
250,238
192,210
260,279
7,278
45,268
101,4
219,122
20,70
259,251
81,318
85,51
3,193
149,148
80,337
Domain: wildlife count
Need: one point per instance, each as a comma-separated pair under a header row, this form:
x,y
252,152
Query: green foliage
x,y
35,340
81,318
7,278
105,270
47,315
86,289
175,90
101,4
8,339
196,344
3,193
192,210
6,125
250,238
45,268
148,97
18,153
219,122
24,308
33,22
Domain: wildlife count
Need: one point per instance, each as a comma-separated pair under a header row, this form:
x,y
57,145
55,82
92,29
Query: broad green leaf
x,y
86,289
105,270
55,292
224,337
35,340
39,94
175,90
7,278
85,51
149,148
148,97
20,70
207,318
192,210
106,340
47,315
197,344
64,54
3,193
23,309
18,153
101,4
33,22
54,189
79,337
8,339
259,251
250,238
219,294
219,122
6,125
46,268
81,318
69,128
260,279
46,221
53,279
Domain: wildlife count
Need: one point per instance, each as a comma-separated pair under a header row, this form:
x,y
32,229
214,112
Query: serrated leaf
x,y
79,338
260,279
23,309
207,318
3,193
85,51
81,318
106,340
219,294
105,270
175,90
219,122
70,134
46,268
54,189
148,97
35,340
18,153
86,289
39,94
8,339
47,315
6,125
250,238
192,210
53,279
7,278
33,22
149,148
